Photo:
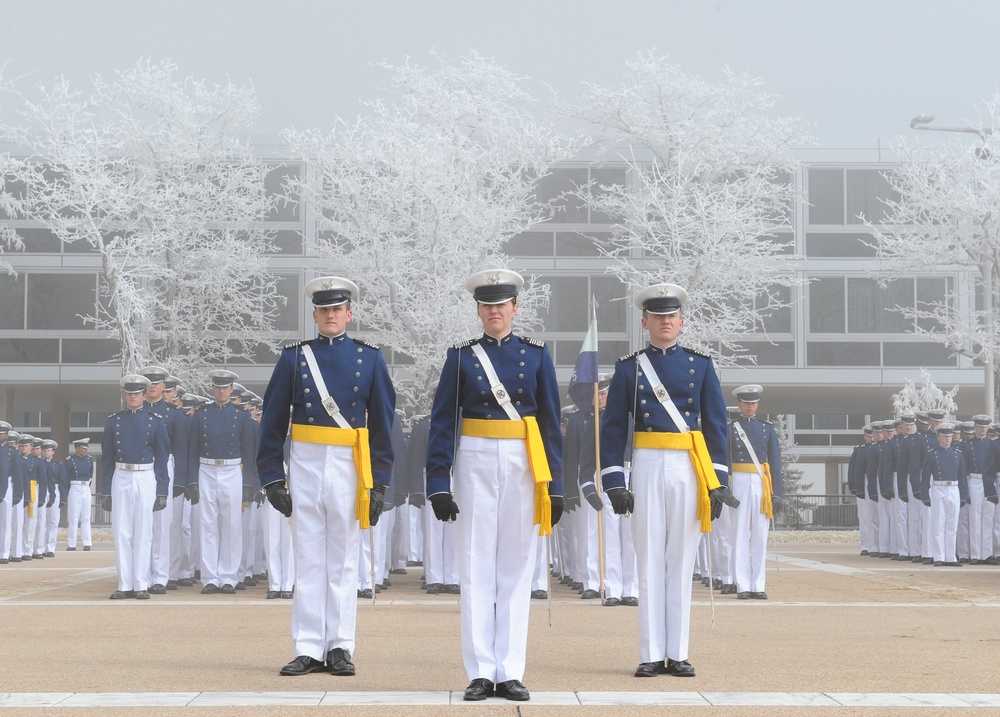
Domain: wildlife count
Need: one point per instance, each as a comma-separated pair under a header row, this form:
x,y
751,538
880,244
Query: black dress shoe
x,y
695,578
260,577
717,584
612,602
743,596
339,661
49,554
142,595
118,595
171,585
434,589
303,665
15,560
210,589
630,601
953,564
25,558
512,690
864,552
398,571
589,594
938,563
728,589
991,561
576,585
366,593
649,669
928,561
157,589
758,595
3,561
539,595
37,556
272,595
185,582
479,689
228,589
237,586
70,549
452,589
86,548
679,668
706,582
285,595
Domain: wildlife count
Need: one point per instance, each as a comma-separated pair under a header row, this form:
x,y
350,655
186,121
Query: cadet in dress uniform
x,y
856,486
79,472
33,489
944,487
56,497
508,477
935,417
7,453
907,469
338,395
587,536
677,471
19,497
979,461
134,452
221,455
756,483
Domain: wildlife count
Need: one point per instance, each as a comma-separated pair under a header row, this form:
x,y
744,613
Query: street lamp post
x,y
922,122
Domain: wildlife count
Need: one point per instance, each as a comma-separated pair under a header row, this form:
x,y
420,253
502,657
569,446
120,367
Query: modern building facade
x,y
830,362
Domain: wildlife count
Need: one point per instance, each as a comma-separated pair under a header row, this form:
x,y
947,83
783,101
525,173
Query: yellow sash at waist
x,y
357,439
766,506
694,443
34,499
527,430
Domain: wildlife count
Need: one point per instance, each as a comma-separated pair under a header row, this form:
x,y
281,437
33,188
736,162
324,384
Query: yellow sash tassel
x,y
357,439
34,499
526,429
766,507
694,443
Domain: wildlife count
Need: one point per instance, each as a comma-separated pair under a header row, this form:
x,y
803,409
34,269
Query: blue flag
x,y
581,384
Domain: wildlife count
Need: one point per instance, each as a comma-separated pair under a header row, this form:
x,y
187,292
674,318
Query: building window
x,y
832,245
60,301
860,305
274,186
12,301
852,196
843,353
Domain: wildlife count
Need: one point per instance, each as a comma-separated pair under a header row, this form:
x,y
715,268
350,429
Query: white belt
x,y
220,461
976,475
946,482
84,482
134,466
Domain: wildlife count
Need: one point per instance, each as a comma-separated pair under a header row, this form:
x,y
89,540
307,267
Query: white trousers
x,y
180,539
980,520
132,496
944,522
666,532
902,509
495,493
723,538
52,516
159,562
32,513
5,521
913,525
862,504
620,577
221,494
278,544
368,539
749,530
415,529
17,517
884,526
248,517
78,508
440,558
589,547
323,484
926,530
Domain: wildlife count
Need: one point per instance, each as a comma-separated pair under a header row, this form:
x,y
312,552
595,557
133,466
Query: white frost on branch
x,y
926,396
151,172
711,179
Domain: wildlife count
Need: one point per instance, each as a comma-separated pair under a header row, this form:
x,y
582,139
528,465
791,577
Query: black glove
x,y
595,501
106,502
258,497
444,506
193,494
905,498
248,492
918,495
993,499
886,496
927,503
376,502
160,503
621,499
777,503
278,496
179,490
557,508
873,498
721,496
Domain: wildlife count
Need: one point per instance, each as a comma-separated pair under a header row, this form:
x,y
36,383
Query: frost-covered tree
x,y
151,172
422,191
710,181
9,208
947,218
926,396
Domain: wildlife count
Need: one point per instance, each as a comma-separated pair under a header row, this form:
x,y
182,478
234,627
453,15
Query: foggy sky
x,y
852,69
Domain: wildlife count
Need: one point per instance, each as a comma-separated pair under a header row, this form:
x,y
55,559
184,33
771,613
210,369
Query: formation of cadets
x,y
927,489
316,492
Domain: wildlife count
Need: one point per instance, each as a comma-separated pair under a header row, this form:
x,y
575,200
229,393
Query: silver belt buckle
x,y
500,393
220,461
130,466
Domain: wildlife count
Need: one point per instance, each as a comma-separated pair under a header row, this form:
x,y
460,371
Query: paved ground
x,y
840,634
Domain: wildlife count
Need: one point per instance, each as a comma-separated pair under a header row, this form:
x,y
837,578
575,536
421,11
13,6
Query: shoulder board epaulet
x,y
629,357
296,344
532,342
696,353
466,344
365,343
